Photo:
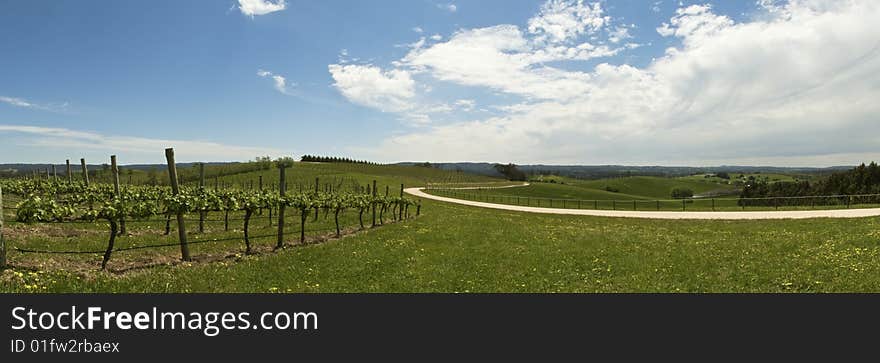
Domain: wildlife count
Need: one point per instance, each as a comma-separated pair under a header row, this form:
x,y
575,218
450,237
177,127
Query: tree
x,y
511,172
284,162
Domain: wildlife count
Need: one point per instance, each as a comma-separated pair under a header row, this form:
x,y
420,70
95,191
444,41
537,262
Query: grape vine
x,y
61,201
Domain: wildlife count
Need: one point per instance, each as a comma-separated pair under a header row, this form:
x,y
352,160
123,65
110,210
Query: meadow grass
x,y
453,248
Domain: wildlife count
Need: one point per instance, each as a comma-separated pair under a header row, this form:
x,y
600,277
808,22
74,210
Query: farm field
x,y
453,248
645,193
637,187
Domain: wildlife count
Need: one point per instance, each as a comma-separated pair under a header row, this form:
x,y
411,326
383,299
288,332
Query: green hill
x,y
653,187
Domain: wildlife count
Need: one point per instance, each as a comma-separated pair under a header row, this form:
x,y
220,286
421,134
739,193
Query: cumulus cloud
x,y
797,84
502,58
369,85
695,23
260,7
564,20
132,149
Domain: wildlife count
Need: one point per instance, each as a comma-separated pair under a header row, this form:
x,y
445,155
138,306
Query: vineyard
x,y
133,211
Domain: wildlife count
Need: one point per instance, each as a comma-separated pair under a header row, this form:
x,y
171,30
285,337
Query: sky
x,y
649,82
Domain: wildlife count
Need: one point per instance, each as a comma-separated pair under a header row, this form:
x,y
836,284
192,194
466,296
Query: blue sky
x,y
559,81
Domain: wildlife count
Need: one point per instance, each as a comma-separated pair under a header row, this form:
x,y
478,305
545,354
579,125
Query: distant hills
x,y
488,169
611,171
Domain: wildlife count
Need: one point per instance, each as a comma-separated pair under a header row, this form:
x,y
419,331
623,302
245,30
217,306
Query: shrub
x,y
682,193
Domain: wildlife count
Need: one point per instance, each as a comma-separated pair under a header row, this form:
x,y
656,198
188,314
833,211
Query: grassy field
x,y
453,248
638,187
653,187
566,192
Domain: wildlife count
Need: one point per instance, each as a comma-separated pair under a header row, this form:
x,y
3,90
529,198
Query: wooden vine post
x,y
112,220
85,170
69,174
202,189
401,204
54,173
175,188
316,193
374,202
114,167
2,241
282,189
261,189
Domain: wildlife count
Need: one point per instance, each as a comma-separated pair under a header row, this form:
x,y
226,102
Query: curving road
x,y
834,213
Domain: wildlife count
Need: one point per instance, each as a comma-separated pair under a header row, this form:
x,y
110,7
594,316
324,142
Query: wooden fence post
x,y
85,170
282,189
69,175
114,168
2,241
202,189
175,188
54,173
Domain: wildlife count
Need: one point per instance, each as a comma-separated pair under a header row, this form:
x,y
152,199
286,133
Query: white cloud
x,y
656,6
619,34
564,20
503,59
279,81
436,37
418,30
20,102
450,7
695,23
466,105
368,85
129,148
260,7
800,84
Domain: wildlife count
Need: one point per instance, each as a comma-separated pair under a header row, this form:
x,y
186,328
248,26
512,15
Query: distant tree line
x,y
864,179
333,159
